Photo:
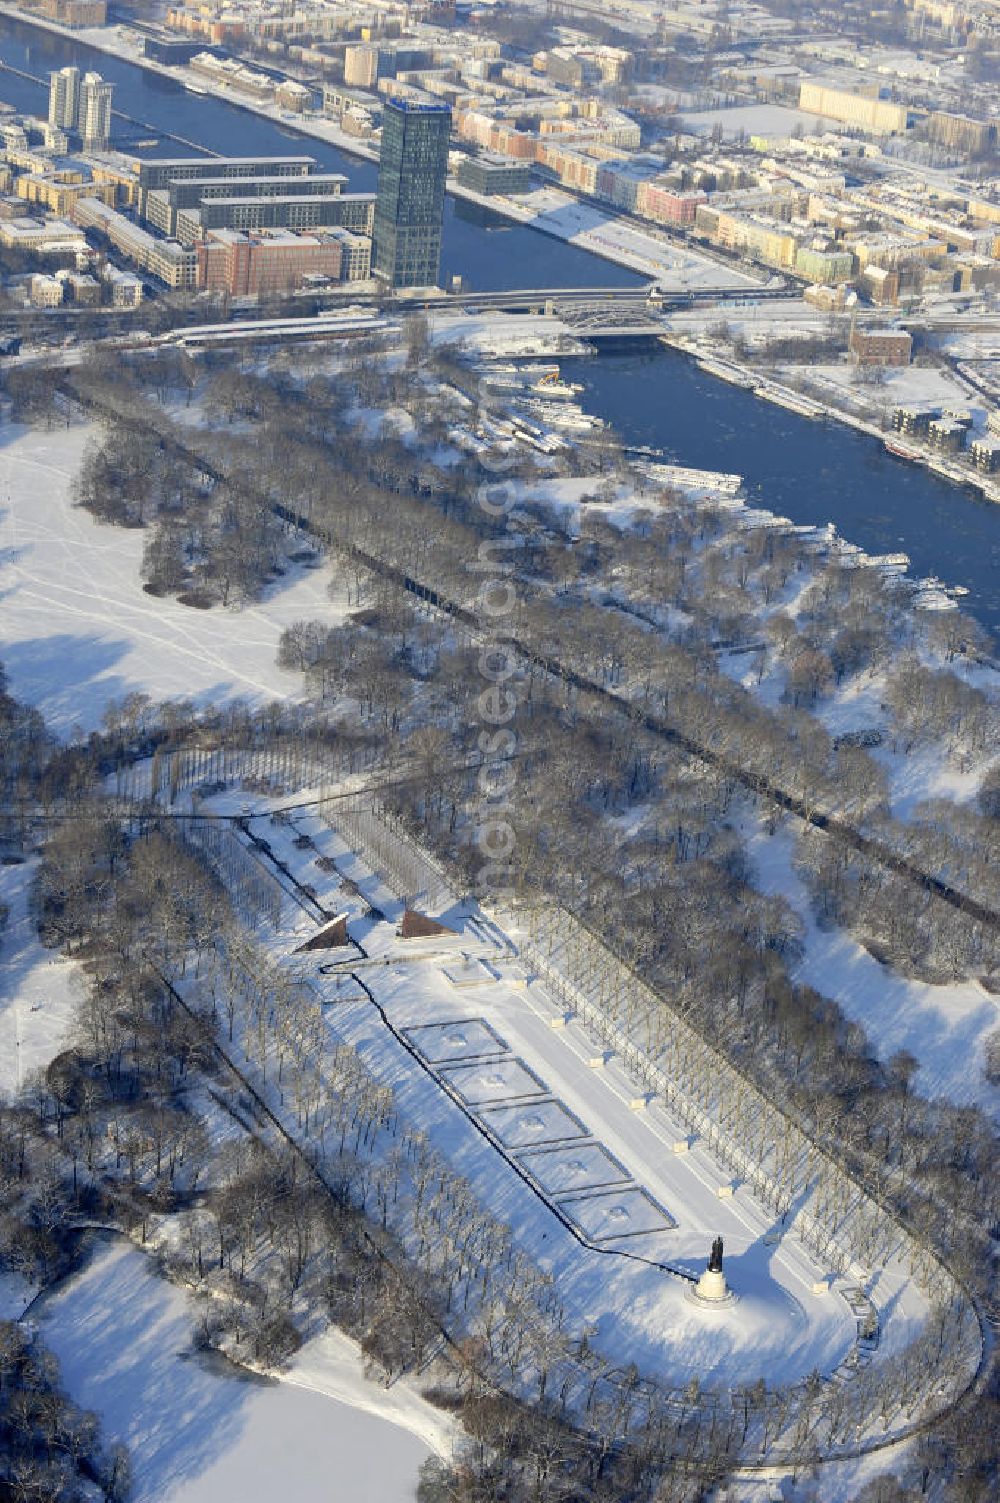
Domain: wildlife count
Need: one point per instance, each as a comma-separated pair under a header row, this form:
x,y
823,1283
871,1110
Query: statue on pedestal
x,y
712,1288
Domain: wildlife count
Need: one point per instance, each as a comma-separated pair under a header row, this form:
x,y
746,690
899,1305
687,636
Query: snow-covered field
x,y
198,1430
77,628
772,120
39,989
944,1027
922,386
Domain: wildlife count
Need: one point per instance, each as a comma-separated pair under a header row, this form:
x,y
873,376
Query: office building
x,y
355,255
95,112
409,207
880,347
160,172
352,211
166,207
491,172
64,98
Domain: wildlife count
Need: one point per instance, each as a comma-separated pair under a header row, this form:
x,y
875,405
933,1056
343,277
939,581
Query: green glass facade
x,y
409,208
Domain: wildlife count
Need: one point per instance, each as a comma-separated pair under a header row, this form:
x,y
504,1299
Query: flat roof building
x,y
409,208
265,263
880,347
95,112
64,98
351,211
491,172
160,172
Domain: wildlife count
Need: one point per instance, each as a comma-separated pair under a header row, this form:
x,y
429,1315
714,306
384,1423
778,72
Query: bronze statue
x,y
715,1261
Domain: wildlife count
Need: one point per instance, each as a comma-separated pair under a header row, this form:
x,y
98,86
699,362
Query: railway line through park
x,y
827,821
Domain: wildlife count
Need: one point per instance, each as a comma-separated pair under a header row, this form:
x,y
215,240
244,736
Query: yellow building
x,y
880,116
757,238
982,210
56,191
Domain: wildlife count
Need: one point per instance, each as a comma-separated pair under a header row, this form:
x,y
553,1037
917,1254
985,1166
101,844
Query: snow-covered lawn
x,y
77,628
944,1027
39,990
199,1431
919,386
774,120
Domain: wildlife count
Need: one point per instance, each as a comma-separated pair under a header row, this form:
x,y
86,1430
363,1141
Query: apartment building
x,y
171,263
95,112
880,116
265,262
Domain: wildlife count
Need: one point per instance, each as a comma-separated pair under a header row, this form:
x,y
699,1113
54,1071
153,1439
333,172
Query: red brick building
x,y
880,347
258,263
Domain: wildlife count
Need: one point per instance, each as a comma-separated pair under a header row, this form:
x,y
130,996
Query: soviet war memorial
x,y
499,753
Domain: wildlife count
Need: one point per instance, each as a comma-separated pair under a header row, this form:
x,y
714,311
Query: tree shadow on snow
x,y
67,677
125,1338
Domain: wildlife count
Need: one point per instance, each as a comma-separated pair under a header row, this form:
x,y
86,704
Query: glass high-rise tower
x,y
409,209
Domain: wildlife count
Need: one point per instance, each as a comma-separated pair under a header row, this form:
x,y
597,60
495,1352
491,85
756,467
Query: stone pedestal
x,y
712,1286
711,1291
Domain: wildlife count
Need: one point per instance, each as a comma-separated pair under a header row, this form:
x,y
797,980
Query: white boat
x,y
553,389
686,478
782,397
567,417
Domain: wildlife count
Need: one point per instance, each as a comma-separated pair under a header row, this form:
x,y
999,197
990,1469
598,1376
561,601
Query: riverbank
x,y
494,253
768,389
549,210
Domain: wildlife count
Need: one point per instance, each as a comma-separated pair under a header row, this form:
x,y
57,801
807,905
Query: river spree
x,y
490,253
810,471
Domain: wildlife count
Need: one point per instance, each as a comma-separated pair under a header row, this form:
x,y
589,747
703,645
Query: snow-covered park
x,y
605,1188
199,1430
78,630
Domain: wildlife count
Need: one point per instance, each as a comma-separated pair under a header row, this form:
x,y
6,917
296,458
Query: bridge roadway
x,y
533,299
606,313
